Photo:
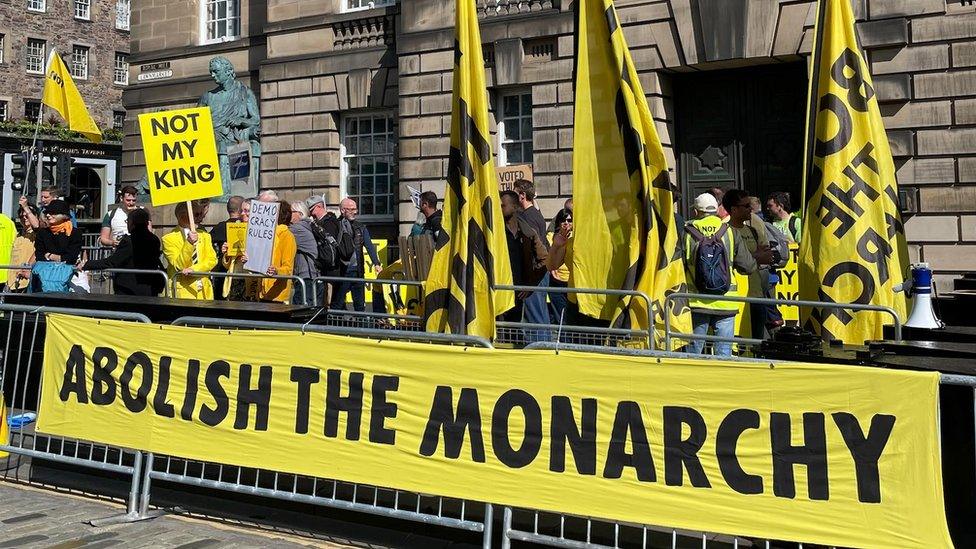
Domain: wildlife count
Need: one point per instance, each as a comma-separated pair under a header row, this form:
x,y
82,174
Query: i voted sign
x,y
181,155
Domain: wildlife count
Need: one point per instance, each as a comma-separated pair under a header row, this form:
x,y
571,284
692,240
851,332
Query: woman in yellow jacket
x,y
282,259
190,252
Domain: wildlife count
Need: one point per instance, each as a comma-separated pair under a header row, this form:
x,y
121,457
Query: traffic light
x,y
64,164
19,171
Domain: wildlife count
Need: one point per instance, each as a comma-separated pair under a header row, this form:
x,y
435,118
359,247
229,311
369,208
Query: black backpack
x,y
712,272
327,249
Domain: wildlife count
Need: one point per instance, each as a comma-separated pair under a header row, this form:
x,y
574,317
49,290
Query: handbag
x,y
51,276
79,283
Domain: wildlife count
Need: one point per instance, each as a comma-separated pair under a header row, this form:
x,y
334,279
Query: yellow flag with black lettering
x,y
853,248
61,94
626,236
471,256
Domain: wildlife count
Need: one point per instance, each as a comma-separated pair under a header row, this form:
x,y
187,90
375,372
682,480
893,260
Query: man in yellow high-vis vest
x,y
714,314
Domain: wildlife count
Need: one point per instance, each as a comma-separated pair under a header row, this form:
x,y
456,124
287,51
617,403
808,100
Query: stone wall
x,y
61,30
310,63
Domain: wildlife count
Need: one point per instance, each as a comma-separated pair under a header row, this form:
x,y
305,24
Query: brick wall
x,y
61,30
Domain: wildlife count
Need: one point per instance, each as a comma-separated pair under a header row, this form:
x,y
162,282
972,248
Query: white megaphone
x,y
920,287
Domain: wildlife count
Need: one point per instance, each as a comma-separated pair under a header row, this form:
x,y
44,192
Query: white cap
x,y
706,203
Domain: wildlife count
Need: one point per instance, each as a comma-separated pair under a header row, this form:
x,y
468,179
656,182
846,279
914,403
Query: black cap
x,y
56,207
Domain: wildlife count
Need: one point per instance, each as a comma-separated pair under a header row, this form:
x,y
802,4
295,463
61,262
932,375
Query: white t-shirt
x,y
117,221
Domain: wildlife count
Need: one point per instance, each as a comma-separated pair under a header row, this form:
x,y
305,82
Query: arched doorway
x,y
86,192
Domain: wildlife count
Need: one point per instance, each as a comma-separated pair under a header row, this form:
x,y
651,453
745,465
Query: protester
x,y
333,237
737,203
778,207
756,207
434,217
559,278
268,195
190,251
22,251
138,249
536,311
46,197
355,266
527,254
218,234
282,260
114,225
8,233
58,240
710,245
307,250
718,193
236,288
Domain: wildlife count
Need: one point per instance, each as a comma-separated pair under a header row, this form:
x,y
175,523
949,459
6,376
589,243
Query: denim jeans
x,y
722,326
340,289
536,311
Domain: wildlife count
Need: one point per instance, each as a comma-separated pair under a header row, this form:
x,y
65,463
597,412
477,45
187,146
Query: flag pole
x,y
39,168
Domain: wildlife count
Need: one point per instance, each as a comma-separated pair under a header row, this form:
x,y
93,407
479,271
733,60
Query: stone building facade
x,y
356,95
92,36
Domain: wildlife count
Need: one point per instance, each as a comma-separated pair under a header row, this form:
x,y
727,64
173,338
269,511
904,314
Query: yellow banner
x,y
181,155
471,256
854,247
788,286
61,94
626,237
844,456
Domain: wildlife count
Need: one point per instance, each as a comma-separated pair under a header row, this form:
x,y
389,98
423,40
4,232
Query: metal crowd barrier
x,y
20,374
400,504
167,288
23,346
669,300
368,319
296,279
513,332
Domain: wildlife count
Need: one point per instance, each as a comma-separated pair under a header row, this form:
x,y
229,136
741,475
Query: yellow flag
x,y
61,94
626,236
472,252
853,247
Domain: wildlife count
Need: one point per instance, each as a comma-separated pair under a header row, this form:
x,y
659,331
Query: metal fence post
x,y
506,527
489,519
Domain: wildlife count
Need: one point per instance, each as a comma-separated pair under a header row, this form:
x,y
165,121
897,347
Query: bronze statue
x,y
237,123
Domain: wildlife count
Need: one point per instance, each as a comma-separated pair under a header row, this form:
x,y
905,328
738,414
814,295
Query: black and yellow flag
x,y
853,247
472,253
625,231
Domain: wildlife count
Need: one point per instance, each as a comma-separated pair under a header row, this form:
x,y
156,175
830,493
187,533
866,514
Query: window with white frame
x,y
368,162
4,111
221,20
3,42
123,9
353,5
83,9
118,119
32,110
121,69
515,128
36,54
79,62
37,5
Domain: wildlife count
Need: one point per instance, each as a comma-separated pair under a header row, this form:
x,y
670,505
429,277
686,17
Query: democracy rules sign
x,y
181,155
261,227
825,454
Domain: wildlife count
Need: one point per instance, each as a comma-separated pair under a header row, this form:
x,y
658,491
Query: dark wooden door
x,y
741,128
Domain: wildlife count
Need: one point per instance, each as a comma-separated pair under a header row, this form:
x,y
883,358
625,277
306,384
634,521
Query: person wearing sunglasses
x,y
739,205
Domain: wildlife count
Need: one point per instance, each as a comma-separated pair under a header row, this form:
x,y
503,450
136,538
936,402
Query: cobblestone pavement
x,y
32,517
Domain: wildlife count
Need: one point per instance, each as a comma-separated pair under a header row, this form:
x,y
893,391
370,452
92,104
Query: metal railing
x,y
167,288
670,299
24,347
211,274
20,371
648,334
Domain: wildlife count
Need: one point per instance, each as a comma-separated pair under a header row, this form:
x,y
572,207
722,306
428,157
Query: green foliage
x,y
52,129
